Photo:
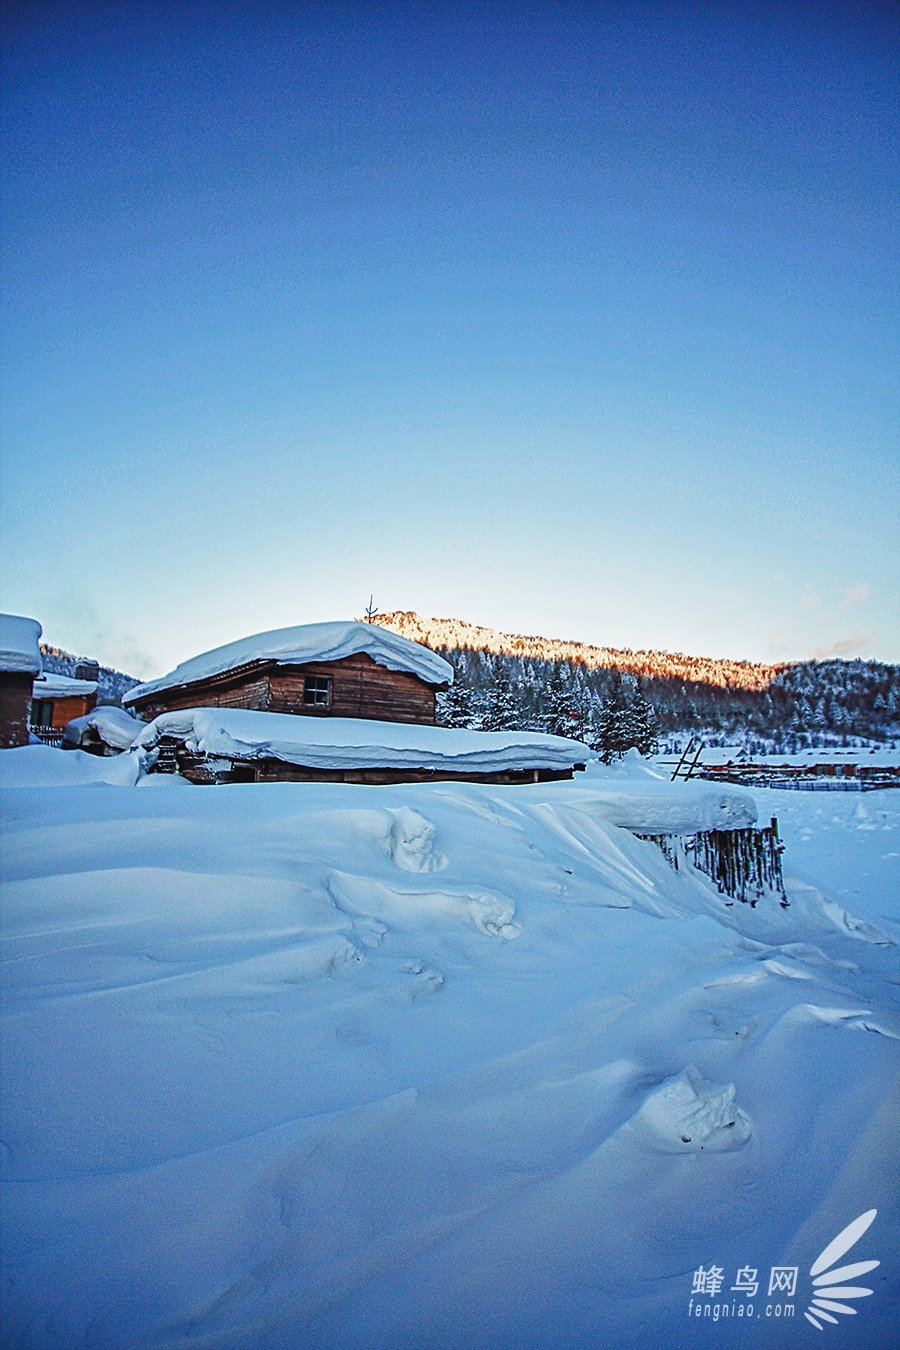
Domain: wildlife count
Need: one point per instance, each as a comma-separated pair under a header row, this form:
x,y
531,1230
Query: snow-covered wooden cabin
x,y
340,670
233,745
20,662
56,699
105,731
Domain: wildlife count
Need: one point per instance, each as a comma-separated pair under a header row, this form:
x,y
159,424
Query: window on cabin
x,y
42,712
317,691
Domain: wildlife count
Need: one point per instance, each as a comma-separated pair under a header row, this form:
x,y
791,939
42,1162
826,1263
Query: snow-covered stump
x,y
745,864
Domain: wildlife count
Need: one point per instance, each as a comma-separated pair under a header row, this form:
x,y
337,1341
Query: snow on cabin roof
x,y
358,743
19,650
298,646
51,685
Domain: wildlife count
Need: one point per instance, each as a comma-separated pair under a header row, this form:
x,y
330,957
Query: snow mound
x,y
43,766
300,645
19,649
687,1114
411,842
674,808
114,727
485,912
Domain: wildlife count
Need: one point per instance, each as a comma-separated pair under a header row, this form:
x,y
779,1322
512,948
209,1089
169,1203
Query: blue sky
x,y
571,320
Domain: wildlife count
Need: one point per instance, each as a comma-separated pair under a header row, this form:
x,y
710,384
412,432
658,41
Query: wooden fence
x,y
744,864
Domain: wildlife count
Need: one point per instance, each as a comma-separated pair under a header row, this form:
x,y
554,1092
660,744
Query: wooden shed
x,y
20,662
355,670
232,745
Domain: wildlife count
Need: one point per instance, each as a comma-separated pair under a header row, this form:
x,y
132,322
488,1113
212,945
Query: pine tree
x,y
564,708
625,720
503,708
457,708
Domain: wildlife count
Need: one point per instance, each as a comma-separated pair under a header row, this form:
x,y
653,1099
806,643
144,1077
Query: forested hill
x,y
507,680
112,684
456,634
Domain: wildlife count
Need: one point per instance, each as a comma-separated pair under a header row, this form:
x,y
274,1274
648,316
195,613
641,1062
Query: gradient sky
x,y
572,320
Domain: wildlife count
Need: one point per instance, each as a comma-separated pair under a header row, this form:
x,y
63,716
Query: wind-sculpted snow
x,y
687,1113
43,766
300,1065
490,914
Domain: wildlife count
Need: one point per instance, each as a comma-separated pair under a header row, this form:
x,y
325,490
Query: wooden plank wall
x,y
359,688
64,709
15,703
248,691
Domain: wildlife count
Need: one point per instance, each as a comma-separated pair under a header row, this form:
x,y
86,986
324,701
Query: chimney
x,y
87,670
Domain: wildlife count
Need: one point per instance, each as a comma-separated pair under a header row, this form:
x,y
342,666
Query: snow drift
x,y
452,1065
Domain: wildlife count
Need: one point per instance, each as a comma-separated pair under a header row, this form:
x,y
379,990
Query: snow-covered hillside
x,y
299,1065
455,634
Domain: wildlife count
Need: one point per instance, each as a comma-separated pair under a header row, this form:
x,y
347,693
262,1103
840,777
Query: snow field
x,y
445,1065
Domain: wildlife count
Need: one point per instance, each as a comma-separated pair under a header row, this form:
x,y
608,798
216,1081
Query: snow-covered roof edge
x,y
113,725
19,649
347,743
302,645
52,685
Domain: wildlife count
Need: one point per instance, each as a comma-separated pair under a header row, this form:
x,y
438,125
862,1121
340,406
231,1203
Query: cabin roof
x,y
358,743
51,685
19,650
301,645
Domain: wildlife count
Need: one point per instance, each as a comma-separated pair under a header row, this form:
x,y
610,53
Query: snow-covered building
x,y
56,699
105,731
228,745
340,670
20,662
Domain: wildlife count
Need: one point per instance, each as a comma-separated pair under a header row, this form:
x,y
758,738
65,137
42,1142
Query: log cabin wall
x,y
15,706
248,689
359,688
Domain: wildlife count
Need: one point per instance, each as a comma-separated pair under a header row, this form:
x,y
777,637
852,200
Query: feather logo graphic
x,y
830,1287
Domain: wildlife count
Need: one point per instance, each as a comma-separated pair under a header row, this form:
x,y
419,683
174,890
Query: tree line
x,y
807,704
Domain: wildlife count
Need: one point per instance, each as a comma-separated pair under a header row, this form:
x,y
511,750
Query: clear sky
x,y
571,320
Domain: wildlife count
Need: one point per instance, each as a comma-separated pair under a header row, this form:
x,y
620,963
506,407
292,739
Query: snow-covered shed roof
x,y
113,726
301,645
51,685
358,743
19,650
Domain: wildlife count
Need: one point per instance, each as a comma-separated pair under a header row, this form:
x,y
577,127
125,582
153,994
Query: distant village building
x,y
342,670
20,662
56,699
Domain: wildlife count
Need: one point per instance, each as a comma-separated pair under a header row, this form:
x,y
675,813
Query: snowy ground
x,y
299,1065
